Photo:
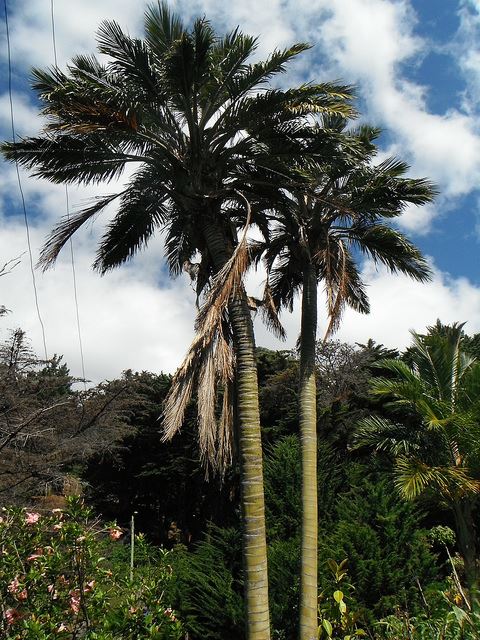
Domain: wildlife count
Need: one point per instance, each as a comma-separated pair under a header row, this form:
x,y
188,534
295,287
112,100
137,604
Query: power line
x,y
79,331
22,196
72,254
54,40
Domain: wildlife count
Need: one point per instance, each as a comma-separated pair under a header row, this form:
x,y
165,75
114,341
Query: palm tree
x,y
204,133
316,236
436,451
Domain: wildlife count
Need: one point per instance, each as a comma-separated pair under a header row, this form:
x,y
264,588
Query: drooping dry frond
x,y
225,429
226,282
181,391
336,287
269,312
209,365
206,397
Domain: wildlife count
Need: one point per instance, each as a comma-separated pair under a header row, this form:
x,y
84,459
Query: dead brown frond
x,y
269,312
224,285
225,428
180,393
337,289
209,365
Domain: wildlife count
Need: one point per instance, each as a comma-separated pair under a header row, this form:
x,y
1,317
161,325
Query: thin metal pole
x,y
132,544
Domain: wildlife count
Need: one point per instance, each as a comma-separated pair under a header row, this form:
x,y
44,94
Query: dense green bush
x,y
381,536
208,591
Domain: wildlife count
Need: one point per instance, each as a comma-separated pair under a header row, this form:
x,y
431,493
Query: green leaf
x,y
328,628
338,595
460,615
342,606
332,565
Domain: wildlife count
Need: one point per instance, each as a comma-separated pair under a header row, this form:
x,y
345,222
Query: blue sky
x,y
417,68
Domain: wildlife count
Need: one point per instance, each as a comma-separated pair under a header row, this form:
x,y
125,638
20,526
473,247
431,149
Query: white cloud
x,y
466,49
397,305
133,317
130,318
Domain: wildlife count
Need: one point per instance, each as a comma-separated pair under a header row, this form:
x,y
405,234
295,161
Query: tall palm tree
x,y
204,132
437,452
317,234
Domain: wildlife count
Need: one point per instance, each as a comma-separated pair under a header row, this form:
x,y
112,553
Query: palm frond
x,y
269,312
413,477
383,435
141,212
208,367
391,248
130,57
162,29
342,282
67,159
62,233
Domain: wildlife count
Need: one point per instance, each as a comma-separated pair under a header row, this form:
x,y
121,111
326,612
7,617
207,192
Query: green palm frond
x,y
162,29
129,56
66,159
62,233
413,477
142,210
391,248
383,435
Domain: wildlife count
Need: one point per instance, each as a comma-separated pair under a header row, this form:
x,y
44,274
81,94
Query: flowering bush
x,y
63,575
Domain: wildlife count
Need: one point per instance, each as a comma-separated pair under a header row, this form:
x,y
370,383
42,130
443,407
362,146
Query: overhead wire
x,y
67,204
20,187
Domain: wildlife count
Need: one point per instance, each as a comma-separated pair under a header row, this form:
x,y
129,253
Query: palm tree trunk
x,y
250,447
308,432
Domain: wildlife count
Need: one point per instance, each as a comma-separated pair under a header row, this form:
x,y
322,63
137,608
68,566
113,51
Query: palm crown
x,y
343,209
440,387
195,118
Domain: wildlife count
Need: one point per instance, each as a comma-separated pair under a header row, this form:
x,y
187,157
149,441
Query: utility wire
x,y
22,196
54,40
75,295
72,254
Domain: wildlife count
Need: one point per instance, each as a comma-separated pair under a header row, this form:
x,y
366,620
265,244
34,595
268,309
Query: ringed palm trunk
x,y
250,449
308,434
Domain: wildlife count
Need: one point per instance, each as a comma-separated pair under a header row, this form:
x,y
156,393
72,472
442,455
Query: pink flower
x,y
115,533
75,600
12,615
89,586
14,585
32,518
22,595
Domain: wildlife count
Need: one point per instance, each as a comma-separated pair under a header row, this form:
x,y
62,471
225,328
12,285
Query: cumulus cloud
x,y
131,318
397,306
136,317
